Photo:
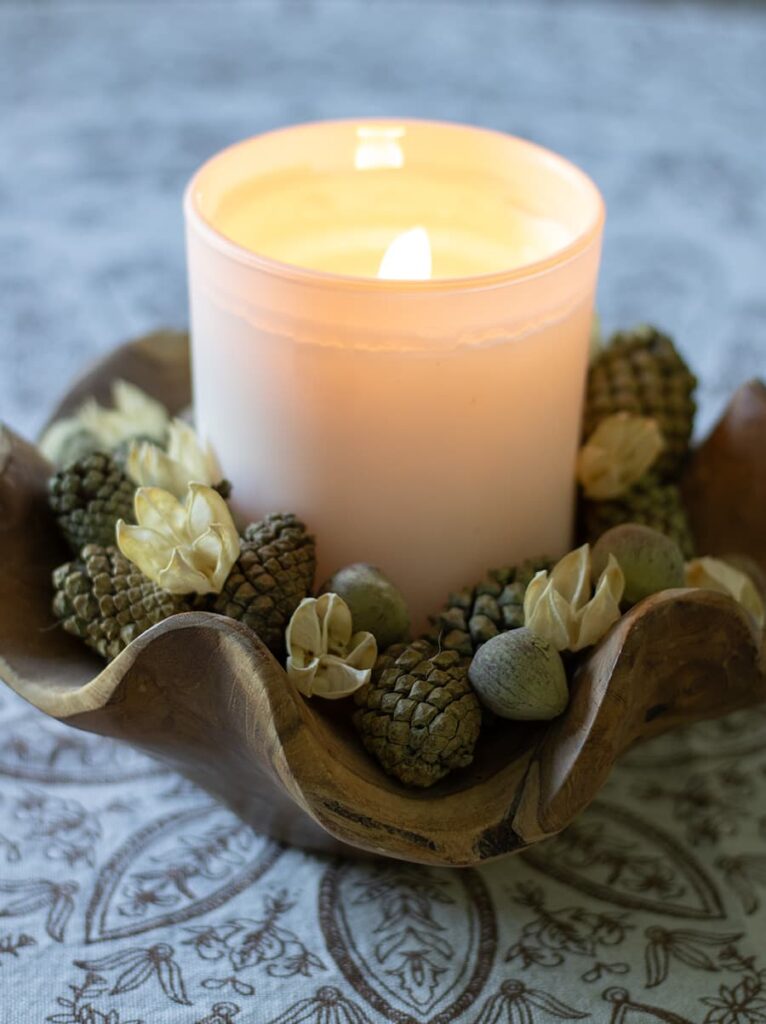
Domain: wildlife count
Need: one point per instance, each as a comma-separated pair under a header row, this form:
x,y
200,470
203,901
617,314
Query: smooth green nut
x,y
650,561
520,675
376,605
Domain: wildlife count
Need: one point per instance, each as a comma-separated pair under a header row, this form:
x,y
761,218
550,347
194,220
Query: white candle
x,y
390,332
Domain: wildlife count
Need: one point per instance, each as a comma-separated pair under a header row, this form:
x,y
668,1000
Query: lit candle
x,y
390,327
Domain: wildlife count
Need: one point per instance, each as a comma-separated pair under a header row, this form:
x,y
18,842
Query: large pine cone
x,y
650,503
274,572
641,372
418,715
88,497
476,614
104,599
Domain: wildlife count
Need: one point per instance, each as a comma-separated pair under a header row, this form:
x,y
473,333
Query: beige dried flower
x,y
618,454
325,659
185,548
562,608
715,574
133,414
184,462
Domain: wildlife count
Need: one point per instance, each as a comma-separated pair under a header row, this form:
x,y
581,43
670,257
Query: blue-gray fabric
x,y
127,895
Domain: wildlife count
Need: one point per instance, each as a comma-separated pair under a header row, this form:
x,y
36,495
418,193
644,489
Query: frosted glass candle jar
x,y
427,426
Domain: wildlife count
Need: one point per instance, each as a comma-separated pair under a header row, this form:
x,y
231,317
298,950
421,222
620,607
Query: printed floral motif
x,y
19,898
626,1010
411,944
37,749
615,855
515,1003
745,873
242,988
78,1008
552,935
172,879
417,944
328,1006
9,850
712,805
66,830
599,970
129,969
738,735
12,946
695,949
245,943
175,868
743,1003
220,1013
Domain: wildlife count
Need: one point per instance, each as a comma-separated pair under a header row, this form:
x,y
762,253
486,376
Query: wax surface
x,y
343,223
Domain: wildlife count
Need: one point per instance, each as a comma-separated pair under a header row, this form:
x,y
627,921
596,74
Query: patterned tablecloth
x,y
126,895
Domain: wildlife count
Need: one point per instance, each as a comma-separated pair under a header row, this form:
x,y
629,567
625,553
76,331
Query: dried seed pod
x,y
520,675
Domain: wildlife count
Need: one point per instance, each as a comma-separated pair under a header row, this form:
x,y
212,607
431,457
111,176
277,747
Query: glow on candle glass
x,y
420,412
408,257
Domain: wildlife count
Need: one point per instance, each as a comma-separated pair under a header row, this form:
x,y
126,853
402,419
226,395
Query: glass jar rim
x,y
582,240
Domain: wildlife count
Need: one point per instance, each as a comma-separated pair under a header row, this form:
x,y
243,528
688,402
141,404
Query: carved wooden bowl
x,y
200,691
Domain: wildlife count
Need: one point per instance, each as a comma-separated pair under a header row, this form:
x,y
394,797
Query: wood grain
x,y
202,693
725,485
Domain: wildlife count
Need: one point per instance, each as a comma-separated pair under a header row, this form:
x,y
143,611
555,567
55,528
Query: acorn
x,y
520,675
376,605
650,561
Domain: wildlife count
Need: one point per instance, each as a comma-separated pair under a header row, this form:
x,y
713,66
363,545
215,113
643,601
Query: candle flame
x,y
408,257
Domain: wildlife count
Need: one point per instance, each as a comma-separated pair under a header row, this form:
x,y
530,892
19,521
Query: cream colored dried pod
x,y
186,460
618,453
185,548
324,657
716,574
134,414
562,608
94,427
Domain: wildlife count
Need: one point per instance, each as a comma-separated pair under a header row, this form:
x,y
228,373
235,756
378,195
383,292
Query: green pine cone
x,y
474,615
649,503
274,572
104,599
418,714
88,497
641,372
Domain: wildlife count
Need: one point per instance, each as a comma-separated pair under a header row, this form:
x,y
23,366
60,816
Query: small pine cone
x,y
650,503
274,572
418,714
104,599
476,614
88,498
641,372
